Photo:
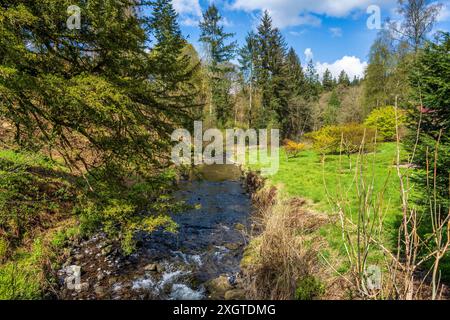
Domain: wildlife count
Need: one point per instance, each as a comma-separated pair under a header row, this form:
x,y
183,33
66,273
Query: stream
x,y
209,245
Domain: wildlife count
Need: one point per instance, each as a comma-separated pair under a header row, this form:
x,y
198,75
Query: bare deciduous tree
x,y
419,17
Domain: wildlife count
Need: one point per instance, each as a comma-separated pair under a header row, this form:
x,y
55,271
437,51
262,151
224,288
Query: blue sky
x,y
333,32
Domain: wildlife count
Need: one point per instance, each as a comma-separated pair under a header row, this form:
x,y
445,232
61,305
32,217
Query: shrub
x,y
347,138
383,121
309,288
293,149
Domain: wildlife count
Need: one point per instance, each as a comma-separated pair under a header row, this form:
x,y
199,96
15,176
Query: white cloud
x,y
444,15
309,54
190,11
190,22
353,66
299,12
187,7
336,32
296,33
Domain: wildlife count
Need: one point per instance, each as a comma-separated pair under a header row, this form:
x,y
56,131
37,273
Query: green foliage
x,y
63,237
296,118
348,139
4,246
309,288
343,79
93,87
312,80
271,73
332,110
219,54
122,210
386,76
327,81
385,120
30,193
23,278
430,80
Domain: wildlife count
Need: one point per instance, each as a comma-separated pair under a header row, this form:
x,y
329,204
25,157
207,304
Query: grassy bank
x,y
323,182
44,207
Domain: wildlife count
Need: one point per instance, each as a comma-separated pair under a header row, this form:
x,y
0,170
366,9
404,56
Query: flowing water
x,y
210,240
210,243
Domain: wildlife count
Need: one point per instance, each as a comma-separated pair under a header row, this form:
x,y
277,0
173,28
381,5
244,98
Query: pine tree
x,y
430,83
313,85
219,53
247,59
343,79
299,113
327,81
169,41
271,71
378,73
172,69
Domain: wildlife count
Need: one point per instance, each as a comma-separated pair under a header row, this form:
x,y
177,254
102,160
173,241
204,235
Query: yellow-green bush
x,y
293,149
347,139
383,120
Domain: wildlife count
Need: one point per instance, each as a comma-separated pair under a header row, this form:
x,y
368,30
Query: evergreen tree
x,y
171,67
332,109
271,72
378,72
430,83
92,85
247,59
343,79
313,85
327,81
219,53
356,81
298,109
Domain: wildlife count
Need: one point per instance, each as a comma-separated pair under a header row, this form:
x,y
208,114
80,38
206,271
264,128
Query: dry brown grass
x,y
283,248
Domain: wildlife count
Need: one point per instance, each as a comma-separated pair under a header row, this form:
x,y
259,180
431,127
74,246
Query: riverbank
x,y
45,208
324,223
282,261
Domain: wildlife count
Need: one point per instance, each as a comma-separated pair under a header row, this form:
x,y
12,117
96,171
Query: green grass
x,y
322,182
22,276
30,159
307,177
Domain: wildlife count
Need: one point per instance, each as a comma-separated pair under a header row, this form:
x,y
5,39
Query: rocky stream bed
x,y
201,261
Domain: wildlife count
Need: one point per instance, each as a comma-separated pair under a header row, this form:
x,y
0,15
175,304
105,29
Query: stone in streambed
x,y
218,287
232,246
107,250
153,267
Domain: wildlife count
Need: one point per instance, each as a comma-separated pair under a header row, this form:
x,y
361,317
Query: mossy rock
x,y
251,254
218,287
